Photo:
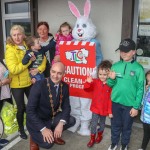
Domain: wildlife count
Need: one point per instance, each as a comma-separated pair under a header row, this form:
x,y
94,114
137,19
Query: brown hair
x,y
30,41
43,23
104,65
64,25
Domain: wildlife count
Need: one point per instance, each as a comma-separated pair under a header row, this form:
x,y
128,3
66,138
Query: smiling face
x,y
42,31
57,72
127,56
65,30
84,29
103,75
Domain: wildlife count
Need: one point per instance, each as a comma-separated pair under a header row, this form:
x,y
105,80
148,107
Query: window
x,y
143,34
15,12
16,7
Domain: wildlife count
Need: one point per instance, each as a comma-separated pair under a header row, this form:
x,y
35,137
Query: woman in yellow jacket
x,y
19,73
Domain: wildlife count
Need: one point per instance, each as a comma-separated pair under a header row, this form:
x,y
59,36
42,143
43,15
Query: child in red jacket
x,y
101,101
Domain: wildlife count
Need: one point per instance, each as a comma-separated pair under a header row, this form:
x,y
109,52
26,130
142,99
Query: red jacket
x,y
101,98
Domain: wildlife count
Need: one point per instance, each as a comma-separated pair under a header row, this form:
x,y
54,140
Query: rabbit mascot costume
x,y
84,30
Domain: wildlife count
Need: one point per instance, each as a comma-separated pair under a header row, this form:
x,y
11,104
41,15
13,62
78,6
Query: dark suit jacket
x,y
38,107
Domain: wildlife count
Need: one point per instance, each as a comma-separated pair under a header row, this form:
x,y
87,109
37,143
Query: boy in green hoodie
x,y
127,81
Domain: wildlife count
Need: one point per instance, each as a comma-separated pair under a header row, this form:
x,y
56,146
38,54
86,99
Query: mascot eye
x,y
77,25
84,25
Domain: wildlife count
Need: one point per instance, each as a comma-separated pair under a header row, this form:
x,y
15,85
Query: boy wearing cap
x,y
127,81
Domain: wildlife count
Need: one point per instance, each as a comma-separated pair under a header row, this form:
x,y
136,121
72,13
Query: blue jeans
x,y
38,76
121,124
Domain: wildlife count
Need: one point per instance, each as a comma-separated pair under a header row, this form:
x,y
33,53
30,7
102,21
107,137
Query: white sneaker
x,y
124,147
112,147
140,149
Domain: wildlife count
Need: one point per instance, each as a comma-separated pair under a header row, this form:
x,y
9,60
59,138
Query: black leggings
x,y
18,94
146,136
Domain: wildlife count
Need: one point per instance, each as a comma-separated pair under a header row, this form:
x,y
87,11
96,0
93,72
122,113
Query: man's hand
x,y
133,112
58,130
47,135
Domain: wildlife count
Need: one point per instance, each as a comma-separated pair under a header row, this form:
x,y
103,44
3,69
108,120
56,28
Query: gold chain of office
x,y
51,99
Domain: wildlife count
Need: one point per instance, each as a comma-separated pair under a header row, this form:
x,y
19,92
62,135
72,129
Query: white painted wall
x,y
106,14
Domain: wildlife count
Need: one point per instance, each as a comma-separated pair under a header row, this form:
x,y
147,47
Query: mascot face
x,y
84,29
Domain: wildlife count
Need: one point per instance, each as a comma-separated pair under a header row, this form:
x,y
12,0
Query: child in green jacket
x,y
127,81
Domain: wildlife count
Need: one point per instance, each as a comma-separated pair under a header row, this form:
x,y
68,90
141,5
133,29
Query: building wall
x,y
106,15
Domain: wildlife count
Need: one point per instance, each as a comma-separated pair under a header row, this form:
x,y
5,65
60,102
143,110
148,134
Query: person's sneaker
x,y
3,142
112,147
23,135
124,147
1,147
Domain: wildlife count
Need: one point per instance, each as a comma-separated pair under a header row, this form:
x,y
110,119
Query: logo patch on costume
x,y
132,73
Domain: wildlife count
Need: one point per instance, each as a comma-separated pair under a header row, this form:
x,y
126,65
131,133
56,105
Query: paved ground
x,y
77,142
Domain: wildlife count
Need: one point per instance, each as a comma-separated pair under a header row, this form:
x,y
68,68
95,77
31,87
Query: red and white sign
x,y
80,61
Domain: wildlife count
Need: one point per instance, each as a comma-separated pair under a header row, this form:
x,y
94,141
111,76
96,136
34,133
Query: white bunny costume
x,y
84,30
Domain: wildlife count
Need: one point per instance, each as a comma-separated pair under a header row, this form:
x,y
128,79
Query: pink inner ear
x,y
74,9
87,8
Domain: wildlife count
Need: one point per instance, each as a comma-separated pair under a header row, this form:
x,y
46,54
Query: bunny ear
x,y
74,9
87,8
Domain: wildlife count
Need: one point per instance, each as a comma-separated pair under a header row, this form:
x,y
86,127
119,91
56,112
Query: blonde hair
x,y
14,27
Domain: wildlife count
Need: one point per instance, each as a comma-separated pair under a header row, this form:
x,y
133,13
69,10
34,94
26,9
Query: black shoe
x,y
124,147
112,147
23,135
3,142
1,147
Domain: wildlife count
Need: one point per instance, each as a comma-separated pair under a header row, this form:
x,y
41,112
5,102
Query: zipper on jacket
x,y
125,69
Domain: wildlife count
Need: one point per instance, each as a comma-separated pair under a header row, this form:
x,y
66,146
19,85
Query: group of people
x,y
28,60
117,91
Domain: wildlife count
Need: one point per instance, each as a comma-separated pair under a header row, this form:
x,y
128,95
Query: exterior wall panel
x,y
106,15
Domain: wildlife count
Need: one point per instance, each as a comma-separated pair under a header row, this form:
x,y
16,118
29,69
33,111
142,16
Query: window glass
x,y
23,22
17,7
143,35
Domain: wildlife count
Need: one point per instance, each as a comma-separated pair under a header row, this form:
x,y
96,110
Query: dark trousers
x,y
18,94
94,122
37,136
121,124
146,136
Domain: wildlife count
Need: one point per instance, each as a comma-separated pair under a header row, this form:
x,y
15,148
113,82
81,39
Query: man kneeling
x,y
48,110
